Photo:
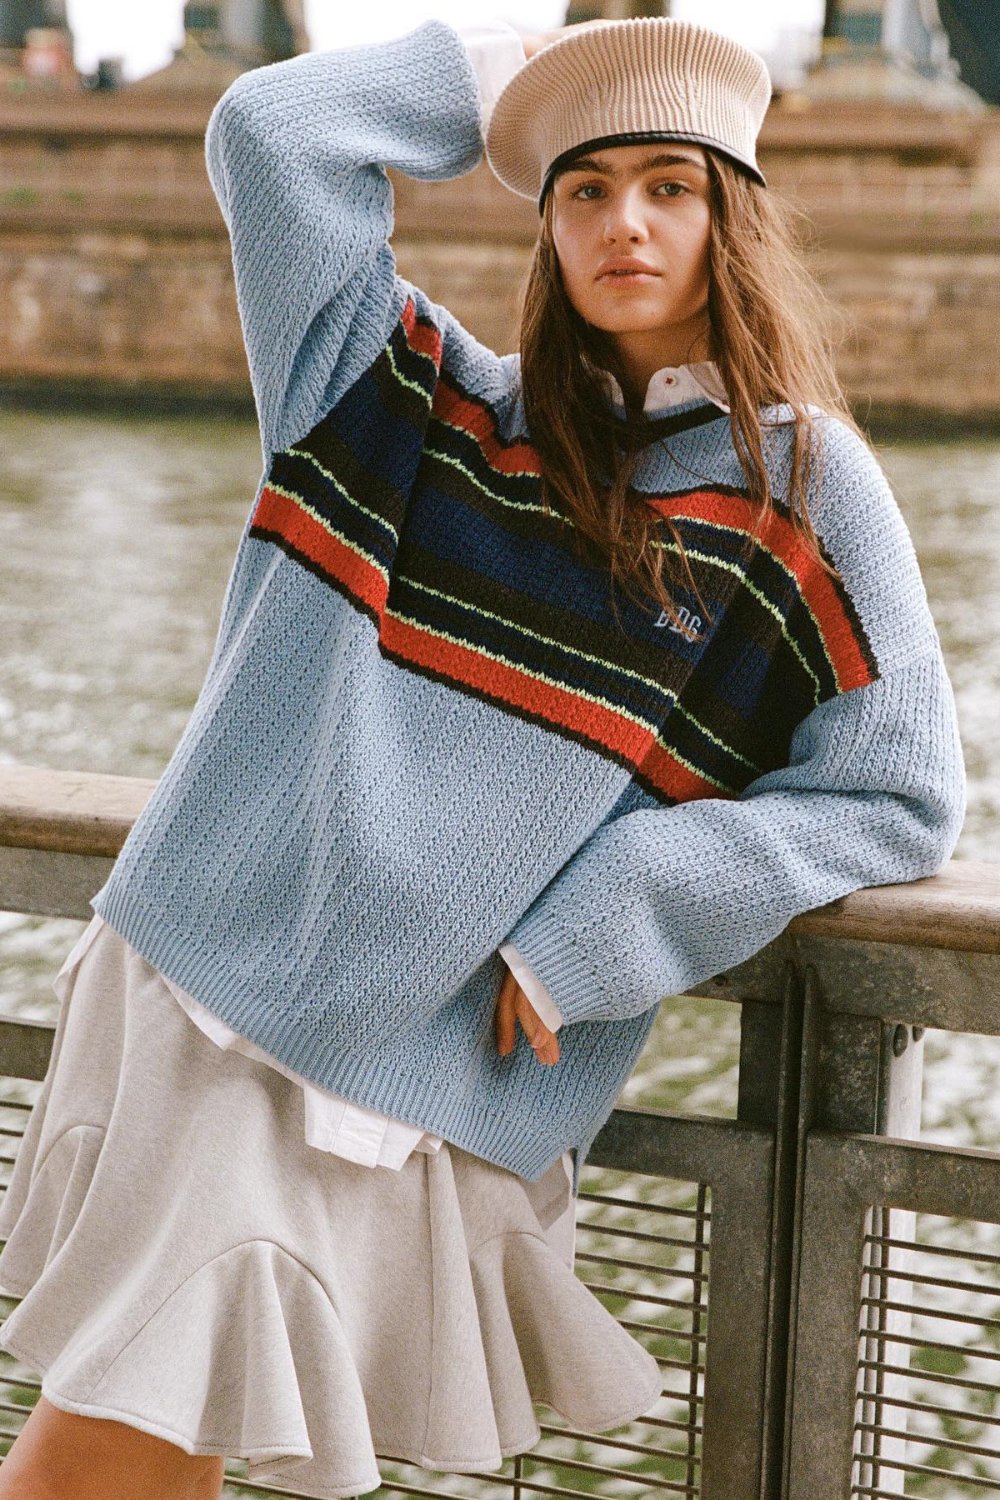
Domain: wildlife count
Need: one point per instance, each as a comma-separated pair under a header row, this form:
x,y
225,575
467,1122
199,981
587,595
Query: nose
x,y
625,218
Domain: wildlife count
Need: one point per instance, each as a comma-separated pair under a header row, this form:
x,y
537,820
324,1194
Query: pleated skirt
x,y
189,1265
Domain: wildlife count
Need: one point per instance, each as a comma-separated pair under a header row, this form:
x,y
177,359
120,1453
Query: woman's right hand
x,y
513,1009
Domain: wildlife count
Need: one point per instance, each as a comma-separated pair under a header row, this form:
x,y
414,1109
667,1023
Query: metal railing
x,y
820,1288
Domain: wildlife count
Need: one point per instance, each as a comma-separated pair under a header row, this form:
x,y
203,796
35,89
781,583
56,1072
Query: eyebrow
x,y
658,159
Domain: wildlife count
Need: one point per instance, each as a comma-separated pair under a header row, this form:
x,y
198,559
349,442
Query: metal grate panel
x,y
928,1415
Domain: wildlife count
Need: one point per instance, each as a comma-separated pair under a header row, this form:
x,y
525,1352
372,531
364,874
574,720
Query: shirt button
x,y
670,380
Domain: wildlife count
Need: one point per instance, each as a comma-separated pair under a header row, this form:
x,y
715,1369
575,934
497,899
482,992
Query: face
x,y
648,202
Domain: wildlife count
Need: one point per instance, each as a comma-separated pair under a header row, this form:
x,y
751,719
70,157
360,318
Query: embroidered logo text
x,y
687,624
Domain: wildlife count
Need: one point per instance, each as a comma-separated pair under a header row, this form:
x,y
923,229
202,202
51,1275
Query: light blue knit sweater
x,y
422,731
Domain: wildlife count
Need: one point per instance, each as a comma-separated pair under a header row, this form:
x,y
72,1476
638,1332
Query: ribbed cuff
x,y
551,951
544,1006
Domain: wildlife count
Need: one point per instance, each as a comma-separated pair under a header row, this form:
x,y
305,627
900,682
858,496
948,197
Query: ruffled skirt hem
x,y
189,1265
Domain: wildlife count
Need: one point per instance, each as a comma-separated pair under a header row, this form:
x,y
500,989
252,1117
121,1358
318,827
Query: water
x,y
116,539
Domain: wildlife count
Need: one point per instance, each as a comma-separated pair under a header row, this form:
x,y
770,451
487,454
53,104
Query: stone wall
x,y
115,275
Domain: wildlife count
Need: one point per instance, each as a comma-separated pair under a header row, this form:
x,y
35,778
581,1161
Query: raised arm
x,y
296,155
873,794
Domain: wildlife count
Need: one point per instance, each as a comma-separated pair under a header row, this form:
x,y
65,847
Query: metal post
x,y
863,1075
898,1115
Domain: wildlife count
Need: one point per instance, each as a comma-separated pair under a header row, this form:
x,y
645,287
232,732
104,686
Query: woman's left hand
x,y
513,1007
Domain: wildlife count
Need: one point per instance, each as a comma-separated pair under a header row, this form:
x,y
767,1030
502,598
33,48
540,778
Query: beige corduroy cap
x,y
619,82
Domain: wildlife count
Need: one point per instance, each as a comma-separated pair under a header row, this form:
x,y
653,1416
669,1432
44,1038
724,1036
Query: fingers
x,y
512,1009
504,1017
544,1042
541,1040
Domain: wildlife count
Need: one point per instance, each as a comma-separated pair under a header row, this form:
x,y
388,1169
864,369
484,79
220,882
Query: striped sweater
x,y
425,731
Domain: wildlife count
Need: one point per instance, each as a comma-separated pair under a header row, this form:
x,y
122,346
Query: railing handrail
x,y
89,813
68,812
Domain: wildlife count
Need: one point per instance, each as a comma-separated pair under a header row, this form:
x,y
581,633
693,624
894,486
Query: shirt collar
x,y
674,385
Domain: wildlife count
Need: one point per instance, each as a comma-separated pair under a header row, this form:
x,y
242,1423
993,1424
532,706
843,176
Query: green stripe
x,y
404,380
670,696
572,651
715,525
500,498
714,738
790,573
528,506
548,640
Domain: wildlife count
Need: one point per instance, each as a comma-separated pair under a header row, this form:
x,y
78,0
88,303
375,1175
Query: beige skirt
x,y
189,1265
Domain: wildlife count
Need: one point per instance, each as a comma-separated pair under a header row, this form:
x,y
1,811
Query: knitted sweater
x,y
424,731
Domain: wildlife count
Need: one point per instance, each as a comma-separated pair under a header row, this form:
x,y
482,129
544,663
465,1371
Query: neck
x,y
643,353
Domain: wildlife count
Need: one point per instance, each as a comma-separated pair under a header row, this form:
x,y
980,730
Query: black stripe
x,y
649,430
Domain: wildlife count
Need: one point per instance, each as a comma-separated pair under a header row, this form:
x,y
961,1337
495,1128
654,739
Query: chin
x,y
628,322
636,315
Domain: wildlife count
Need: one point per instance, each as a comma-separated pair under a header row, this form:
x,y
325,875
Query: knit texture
x,y
643,78
423,731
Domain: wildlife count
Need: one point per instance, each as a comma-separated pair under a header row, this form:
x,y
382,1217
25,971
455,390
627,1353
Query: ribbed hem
x,y
520,1140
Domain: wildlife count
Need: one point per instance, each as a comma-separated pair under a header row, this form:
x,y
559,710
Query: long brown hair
x,y
768,333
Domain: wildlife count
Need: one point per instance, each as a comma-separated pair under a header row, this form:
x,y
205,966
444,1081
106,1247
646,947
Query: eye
x,y
585,188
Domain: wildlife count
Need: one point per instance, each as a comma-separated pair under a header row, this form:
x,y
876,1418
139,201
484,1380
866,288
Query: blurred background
x,y
114,265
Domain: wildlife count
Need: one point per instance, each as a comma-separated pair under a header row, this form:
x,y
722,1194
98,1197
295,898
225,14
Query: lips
x,y
623,269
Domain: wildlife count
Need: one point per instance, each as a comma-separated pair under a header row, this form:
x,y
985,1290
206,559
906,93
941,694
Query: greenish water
x,y
116,539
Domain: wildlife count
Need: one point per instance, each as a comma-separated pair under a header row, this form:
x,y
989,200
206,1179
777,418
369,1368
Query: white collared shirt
x,y
674,385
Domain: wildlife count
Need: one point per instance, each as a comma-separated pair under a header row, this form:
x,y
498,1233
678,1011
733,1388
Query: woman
x,y
605,661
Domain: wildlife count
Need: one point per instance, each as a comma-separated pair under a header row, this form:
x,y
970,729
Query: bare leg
x,y
60,1455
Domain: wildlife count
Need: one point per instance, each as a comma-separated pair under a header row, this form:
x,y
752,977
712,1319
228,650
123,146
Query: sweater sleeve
x,y
873,793
296,155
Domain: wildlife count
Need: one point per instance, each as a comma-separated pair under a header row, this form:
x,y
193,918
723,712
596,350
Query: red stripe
x,y
777,533
677,780
277,513
816,586
636,744
423,338
560,706
478,421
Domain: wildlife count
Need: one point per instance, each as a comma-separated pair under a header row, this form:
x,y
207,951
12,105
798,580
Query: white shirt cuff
x,y
544,1006
496,53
